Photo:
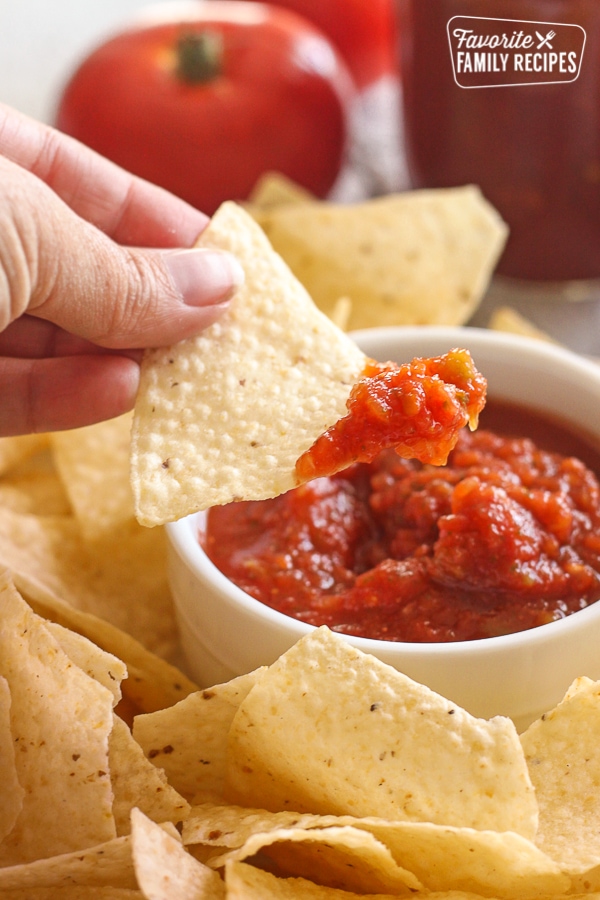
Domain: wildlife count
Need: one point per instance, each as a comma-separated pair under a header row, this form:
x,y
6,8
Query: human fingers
x,y
31,338
41,395
60,268
128,209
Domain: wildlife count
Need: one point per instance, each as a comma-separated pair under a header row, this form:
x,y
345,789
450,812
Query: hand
x,y
79,297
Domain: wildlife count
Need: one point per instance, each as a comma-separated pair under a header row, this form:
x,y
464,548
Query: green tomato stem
x,y
199,56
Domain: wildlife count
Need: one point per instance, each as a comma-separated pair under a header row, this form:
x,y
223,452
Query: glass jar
x,y
518,113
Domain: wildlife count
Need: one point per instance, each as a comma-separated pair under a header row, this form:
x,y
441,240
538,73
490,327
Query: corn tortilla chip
x,y
225,415
164,870
73,892
415,258
341,312
275,189
246,882
60,722
505,318
152,683
41,493
15,450
123,581
93,463
562,753
95,662
342,857
11,791
189,740
109,864
374,742
136,783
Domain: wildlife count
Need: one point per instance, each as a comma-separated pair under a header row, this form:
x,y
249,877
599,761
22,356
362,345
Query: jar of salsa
x,y
506,94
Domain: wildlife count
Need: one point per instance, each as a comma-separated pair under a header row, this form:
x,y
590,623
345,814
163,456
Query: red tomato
x,y
205,103
362,30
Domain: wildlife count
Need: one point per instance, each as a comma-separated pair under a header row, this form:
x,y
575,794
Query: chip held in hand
x,y
227,415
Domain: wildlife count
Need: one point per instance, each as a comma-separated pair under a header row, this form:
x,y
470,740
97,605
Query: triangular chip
x,y
12,792
104,667
225,415
189,740
152,683
93,463
329,729
164,869
341,856
60,721
106,864
562,753
413,258
137,783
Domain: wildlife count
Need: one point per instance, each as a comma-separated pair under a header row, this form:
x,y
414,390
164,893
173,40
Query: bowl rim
x,y
184,534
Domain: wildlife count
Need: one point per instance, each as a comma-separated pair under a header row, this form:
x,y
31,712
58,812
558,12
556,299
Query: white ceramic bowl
x,y
225,632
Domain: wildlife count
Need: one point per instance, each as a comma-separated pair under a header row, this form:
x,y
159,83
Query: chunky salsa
x,y
503,538
418,408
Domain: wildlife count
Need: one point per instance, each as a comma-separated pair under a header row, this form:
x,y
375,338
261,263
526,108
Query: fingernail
x,y
203,277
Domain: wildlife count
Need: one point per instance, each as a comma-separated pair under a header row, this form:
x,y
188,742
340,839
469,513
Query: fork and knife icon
x,y
545,41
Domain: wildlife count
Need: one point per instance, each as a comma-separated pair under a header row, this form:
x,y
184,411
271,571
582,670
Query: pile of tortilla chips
x,y
325,775
69,537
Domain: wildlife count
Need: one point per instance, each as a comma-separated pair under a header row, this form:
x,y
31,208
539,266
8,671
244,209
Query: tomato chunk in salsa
x,y
417,408
503,538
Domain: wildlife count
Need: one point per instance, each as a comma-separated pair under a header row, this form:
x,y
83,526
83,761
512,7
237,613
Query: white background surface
x,y
41,42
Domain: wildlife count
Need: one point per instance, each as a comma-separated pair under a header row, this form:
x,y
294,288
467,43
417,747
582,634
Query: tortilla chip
x,y
136,783
416,258
342,857
73,892
225,415
246,882
60,722
41,493
122,580
15,450
164,870
505,318
374,742
12,792
109,864
93,463
562,753
275,189
95,662
341,312
189,740
113,864
152,683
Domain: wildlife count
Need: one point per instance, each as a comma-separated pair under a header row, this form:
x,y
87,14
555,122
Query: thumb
x,y
58,267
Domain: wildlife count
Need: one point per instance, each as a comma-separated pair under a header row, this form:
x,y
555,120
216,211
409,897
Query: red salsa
x,y
418,408
503,538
